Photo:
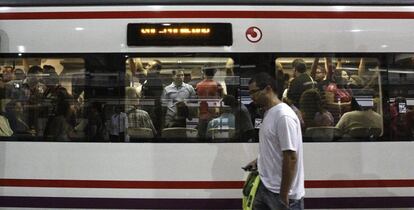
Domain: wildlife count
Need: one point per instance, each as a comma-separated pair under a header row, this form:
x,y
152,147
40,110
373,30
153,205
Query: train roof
x,y
204,2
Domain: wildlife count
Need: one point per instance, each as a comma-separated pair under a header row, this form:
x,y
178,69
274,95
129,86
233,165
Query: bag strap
x,y
313,82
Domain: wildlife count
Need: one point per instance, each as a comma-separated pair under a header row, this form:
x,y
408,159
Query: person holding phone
x,y
280,159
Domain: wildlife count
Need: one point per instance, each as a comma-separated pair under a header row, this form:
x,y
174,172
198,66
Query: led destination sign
x,y
178,31
180,34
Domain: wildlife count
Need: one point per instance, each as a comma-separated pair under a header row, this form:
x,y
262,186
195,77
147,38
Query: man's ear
x,y
268,89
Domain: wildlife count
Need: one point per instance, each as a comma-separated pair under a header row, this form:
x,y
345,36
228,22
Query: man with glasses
x,y
280,159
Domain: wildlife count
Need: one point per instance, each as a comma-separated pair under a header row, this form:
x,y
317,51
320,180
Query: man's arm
x,y
314,67
288,173
329,68
136,67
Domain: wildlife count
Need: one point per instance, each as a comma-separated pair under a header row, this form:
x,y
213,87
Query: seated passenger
x,y
225,121
5,129
59,127
17,120
312,111
244,124
178,90
365,118
95,130
177,114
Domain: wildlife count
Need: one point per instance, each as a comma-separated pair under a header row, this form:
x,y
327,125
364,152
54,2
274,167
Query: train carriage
x,y
70,69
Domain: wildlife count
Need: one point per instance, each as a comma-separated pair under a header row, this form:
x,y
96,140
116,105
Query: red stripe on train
x,y
193,184
121,184
206,14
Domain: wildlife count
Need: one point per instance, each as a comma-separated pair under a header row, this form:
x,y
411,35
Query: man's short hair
x,y
230,100
35,70
263,80
48,68
299,65
175,72
210,70
157,65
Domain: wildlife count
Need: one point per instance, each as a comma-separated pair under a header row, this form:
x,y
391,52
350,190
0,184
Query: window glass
x,y
400,107
42,99
200,99
336,98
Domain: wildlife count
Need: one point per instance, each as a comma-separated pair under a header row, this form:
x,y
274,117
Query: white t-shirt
x,y
280,131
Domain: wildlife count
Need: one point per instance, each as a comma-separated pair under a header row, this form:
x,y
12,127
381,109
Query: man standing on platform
x,y
280,159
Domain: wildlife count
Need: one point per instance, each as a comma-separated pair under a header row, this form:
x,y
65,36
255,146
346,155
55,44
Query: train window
x,y
400,107
41,98
195,99
336,98
203,97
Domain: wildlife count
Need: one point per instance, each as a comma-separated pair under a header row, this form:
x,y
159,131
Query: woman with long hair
x,y
313,113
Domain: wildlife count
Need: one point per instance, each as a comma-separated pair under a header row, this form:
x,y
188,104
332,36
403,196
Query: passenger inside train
x,y
203,99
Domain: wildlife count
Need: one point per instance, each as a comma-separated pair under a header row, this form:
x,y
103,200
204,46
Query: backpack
x,y
250,189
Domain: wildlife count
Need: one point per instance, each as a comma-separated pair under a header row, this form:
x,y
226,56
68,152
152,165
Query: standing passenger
x,y
119,125
300,83
207,89
280,159
178,89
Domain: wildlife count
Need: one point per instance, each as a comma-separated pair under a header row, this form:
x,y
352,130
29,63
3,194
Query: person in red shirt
x,y
207,89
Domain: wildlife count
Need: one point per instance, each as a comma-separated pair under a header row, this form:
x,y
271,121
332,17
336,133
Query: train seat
x,y
365,133
221,133
140,133
179,133
324,133
337,110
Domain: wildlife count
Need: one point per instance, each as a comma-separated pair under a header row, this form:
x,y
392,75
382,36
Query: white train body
x,y
201,175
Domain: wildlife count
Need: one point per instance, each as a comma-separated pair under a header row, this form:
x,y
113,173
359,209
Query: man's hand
x,y
252,166
285,200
